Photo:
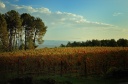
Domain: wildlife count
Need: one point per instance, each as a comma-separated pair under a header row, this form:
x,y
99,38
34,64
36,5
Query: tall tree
x,y
104,42
96,43
22,31
112,43
40,30
34,30
28,25
3,33
122,42
13,25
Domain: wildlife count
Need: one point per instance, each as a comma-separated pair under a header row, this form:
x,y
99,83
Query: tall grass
x,y
72,61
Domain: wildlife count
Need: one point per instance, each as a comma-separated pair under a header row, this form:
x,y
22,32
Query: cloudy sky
x,y
76,20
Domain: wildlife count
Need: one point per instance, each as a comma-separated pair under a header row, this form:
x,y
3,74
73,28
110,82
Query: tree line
x,y
20,31
105,43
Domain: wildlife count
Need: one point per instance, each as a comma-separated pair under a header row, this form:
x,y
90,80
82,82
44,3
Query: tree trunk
x,y
34,40
10,40
25,39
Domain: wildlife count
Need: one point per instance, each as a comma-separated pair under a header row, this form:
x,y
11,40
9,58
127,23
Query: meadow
x,y
109,62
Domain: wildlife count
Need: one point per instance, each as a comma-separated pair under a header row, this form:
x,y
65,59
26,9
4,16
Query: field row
x,y
62,51
78,61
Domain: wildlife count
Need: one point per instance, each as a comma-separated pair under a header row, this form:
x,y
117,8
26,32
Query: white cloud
x,y
58,12
72,24
74,20
117,14
30,9
58,18
2,5
43,10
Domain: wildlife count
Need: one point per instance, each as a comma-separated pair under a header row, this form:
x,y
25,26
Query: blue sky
x,y
76,20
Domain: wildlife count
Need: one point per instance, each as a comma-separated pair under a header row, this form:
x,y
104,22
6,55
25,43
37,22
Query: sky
x,y
76,20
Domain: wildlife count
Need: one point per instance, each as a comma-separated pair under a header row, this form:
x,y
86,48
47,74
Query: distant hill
x,y
51,44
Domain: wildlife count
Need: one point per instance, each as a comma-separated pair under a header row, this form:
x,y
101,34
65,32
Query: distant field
x,y
77,61
63,51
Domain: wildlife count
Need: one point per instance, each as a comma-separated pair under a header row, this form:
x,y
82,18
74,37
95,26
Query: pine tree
x,y
13,25
3,34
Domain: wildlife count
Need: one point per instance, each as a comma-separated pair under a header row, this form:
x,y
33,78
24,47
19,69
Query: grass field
x,y
76,64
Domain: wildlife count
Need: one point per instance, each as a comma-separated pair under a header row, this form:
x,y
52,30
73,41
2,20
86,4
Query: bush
x,y
52,81
114,72
24,80
47,81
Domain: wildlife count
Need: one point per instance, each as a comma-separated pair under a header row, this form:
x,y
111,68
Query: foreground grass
x,y
66,79
82,80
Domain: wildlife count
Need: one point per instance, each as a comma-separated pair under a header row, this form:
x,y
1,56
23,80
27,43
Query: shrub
x,y
24,80
114,72
47,81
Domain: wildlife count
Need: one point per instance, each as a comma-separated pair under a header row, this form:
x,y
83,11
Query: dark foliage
x,y
52,81
20,31
117,73
24,80
101,43
48,81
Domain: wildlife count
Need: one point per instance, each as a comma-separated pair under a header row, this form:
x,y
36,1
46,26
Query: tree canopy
x,y
105,43
3,33
20,31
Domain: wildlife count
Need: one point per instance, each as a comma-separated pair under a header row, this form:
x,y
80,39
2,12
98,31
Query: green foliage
x,y
34,30
40,30
122,42
115,72
52,81
62,45
13,20
19,29
102,43
21,47
30,44
3,34
27,21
